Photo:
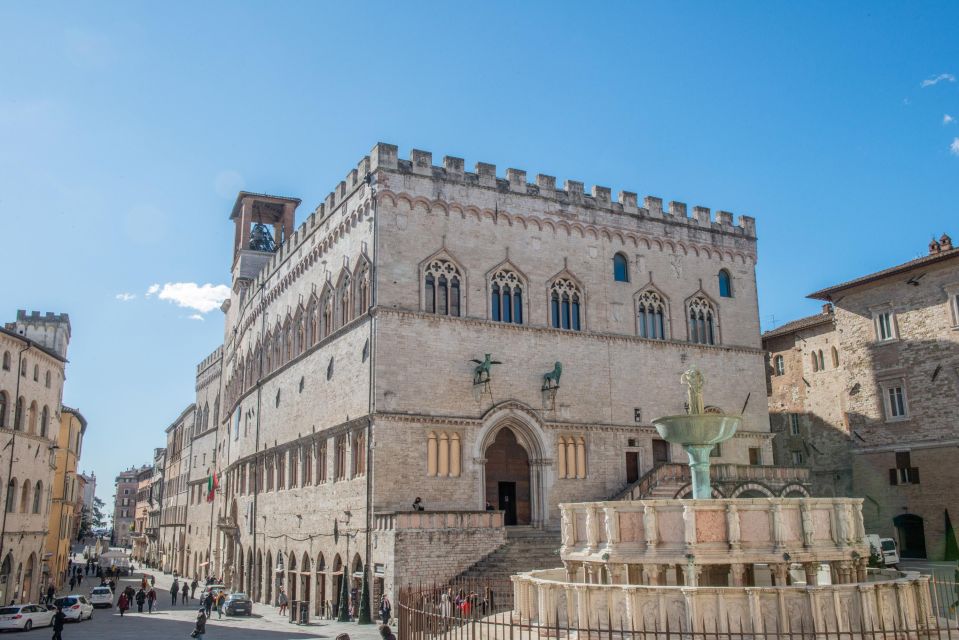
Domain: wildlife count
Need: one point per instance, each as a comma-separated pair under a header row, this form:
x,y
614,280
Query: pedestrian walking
x,y
200,627
73,582
51,590
208,603
151,599
193,586
140,598
174,590
123,603
79,577
58,619
186,593
386,609
220,604
282,600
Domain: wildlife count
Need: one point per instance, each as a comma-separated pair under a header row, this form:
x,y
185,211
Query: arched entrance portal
x,y
912,535
508,478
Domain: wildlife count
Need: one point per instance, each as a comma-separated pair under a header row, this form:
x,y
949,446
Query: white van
x,y
885,548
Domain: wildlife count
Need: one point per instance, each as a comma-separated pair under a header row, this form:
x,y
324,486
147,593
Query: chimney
x,y
945,242
934,247
827,308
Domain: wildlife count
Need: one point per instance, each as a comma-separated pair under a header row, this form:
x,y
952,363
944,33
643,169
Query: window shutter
x,y
914,474
893,477
902,459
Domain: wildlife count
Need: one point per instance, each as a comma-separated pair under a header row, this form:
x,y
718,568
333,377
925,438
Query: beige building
x,y
141,513
33,350
124,506
176,476
67,498
154,510
898,349
351,383
807,406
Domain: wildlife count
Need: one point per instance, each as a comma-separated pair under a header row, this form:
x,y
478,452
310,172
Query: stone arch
x,y
336,583
794,490
319,606
752,490
686,492
258,577
528,431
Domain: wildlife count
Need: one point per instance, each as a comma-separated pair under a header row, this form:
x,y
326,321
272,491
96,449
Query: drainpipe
x,y
365,609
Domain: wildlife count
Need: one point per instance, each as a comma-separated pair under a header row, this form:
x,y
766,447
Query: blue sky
x,y
127,128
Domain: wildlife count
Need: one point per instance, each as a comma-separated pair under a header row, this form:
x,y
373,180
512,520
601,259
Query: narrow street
x,y
177,622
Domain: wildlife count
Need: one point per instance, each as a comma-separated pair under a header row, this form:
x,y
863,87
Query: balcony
x,y
432,520
227,525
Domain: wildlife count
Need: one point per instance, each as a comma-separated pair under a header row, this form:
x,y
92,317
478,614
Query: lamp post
x,y
344,612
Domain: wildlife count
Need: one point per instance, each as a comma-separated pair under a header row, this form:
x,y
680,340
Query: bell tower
x,y
262,224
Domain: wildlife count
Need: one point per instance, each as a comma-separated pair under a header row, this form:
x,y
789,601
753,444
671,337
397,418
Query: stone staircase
x,y
526,549
662,481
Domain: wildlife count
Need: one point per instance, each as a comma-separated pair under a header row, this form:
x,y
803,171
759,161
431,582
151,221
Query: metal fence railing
x,y
477,610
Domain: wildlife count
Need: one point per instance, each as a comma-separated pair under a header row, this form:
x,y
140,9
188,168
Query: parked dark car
x,y
238,604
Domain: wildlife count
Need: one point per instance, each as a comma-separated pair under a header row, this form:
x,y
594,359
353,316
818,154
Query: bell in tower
x,y
260,238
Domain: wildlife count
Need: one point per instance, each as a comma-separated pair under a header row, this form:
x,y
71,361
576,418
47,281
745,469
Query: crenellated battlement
x,y
385,156
210,359
51,330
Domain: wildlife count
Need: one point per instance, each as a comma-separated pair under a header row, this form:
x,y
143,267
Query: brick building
x,y
176,476
898,349
807,408
347,383
124,506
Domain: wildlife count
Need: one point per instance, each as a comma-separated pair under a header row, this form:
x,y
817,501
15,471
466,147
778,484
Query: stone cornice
x,y
552,425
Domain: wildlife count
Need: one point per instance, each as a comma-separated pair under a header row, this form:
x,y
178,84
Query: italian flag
x,y
212,484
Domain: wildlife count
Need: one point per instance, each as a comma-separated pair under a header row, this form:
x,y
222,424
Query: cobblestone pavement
x,y
168,623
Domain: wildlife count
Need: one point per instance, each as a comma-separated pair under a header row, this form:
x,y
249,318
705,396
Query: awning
x,y
203,564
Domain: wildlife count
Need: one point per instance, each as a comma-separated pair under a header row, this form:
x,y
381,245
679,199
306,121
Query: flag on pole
x,y
212,484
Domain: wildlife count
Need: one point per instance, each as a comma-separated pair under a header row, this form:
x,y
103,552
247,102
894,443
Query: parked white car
x,y
885,548
101,597
25,617
75,607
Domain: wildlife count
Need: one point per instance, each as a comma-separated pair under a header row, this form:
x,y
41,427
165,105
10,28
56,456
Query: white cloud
x,y
190,295
196,316
942,77
954,147
125,297
948,119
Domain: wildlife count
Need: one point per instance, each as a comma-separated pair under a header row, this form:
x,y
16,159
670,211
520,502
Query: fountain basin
x,y
697,429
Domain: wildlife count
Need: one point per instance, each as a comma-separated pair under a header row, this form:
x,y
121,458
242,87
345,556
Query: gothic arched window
x,y
361,293
835,357
44,421
3,408
725,284
37,495
651,316
506,297
6,361
620,268
565,302
702,321
312,322
442,288
343,299
326,319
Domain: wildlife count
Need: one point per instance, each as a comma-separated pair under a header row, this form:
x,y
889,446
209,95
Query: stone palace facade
x,y
351,377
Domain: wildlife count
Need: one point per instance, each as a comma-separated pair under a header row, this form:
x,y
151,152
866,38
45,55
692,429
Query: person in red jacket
x,y
123,603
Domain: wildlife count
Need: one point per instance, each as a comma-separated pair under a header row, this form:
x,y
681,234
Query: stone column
x,y
592,528
737,575
777,528
732,526
650,527
780,574
689,527
812,573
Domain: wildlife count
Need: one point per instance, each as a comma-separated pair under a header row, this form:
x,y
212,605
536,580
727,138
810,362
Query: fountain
x,y
697,431
739,565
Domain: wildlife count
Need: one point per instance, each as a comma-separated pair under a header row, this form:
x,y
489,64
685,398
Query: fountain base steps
x,y
526,549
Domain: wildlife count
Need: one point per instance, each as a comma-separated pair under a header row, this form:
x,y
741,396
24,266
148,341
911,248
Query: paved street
x,y
177,622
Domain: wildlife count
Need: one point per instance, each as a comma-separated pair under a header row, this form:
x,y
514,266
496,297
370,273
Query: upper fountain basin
x,y
703,428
